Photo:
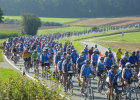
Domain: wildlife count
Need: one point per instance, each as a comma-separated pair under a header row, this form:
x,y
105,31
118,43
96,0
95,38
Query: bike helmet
x,y
124,57
106,52
83,51
110,55
137,51
58,53
102,58
87,61
81,56
128,65
133,52
126,52
62,58
114,66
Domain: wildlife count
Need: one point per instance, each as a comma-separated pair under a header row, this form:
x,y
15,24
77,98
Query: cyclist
x,y
43,60
74,57
126,75
59,67
35,59
123,61
127,55
138,54
26,56
90,52
85,56
113,75
100,70
86,49
134,61
109,61
80,62
118,55
56,60
66,66
86,70
94,58
110,52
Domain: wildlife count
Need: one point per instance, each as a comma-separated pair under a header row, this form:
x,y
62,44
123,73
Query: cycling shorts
x,y
27,59
45,64
94,63
99,73
114,85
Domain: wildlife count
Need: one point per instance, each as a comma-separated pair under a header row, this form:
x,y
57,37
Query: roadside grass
x,y
47,19
61,30
5,73
78,46
9,33
129,37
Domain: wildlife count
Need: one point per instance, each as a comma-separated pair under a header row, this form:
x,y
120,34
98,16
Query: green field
x,y
1,41
9,33
46,19
61,30
128,37
5,73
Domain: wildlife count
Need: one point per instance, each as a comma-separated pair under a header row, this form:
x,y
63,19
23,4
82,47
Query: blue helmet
x,y
110,55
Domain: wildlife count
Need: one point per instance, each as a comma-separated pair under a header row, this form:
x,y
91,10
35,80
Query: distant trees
x,y
72,8
1,14
30,24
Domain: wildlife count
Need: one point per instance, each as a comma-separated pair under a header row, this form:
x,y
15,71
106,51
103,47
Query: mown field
x,y
130,42
46,19
61,30
108,21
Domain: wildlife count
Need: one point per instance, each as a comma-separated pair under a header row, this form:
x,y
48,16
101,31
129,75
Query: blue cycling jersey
x,y
86,71
113,78
44,58
95,58
127,73
74,57
138,56
57,59
80,62
108,62
60,64
86,51
101,66
38,50
122,62
133,60
67,65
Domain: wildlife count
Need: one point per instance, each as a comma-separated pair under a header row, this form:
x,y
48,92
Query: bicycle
x,y
69,83
27,66
36,70
103,83
88,90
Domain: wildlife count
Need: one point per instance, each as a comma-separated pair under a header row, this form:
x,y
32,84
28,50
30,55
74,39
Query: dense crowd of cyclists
x,y
42,51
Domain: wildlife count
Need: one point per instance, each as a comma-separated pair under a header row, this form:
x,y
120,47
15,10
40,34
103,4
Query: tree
x,y
30,24
1,14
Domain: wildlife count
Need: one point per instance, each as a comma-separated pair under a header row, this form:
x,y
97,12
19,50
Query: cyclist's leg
x,y
83,84
110,88
64,79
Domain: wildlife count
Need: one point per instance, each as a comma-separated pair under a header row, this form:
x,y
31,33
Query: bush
x,y
21,88
50,24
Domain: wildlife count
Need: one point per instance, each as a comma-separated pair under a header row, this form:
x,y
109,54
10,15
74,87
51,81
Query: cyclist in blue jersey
x,y
86,70
138,54
100,70
56,60
85,56
80,62
66,66
43,60
86,49
123,61
109,61
68,51
59,67
94,58
127,55
74,56
113,75
38,49
127,74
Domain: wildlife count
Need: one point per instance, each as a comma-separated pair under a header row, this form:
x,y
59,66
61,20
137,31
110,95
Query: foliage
x,y
9,33
1,15
20,88
72,8
30,24
10,21
1,42
46,19
50,24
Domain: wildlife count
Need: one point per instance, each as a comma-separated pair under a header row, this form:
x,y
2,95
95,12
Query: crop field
x,y
46,19
9,33
108,21
64,29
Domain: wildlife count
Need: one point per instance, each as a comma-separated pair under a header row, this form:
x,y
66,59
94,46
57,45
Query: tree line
x,y
72,8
